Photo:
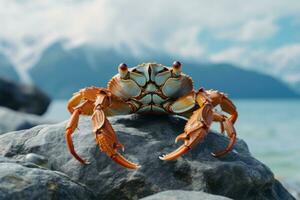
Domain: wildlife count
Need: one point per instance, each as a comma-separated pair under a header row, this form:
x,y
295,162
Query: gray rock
x,y
183,195
237,175
23,98
36,159
293,188
13,121
21,180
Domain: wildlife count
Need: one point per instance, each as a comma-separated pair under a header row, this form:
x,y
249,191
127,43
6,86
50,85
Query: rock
x,y
183,195
13,121
293,188
237,175
23,98
36,159
21,180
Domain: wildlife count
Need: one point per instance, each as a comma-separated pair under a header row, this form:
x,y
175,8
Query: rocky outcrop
x,y
237,175
23,98
184,195
23,180
13,121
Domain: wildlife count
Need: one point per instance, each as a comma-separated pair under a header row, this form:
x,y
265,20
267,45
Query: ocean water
x,y
271,128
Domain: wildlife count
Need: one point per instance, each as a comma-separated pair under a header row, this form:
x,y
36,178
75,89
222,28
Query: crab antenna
x,y
123,70
176,68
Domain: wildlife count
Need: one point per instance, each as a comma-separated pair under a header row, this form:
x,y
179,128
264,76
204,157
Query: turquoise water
x,y
271,129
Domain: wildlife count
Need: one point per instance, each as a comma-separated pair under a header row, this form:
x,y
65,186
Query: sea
x,y
271,128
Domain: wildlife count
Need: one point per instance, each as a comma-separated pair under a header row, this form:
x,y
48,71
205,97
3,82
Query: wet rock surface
x,y
13,121
237,175
23,98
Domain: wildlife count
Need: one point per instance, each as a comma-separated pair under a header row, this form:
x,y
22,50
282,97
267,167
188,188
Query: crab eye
x,y
176,68
123,70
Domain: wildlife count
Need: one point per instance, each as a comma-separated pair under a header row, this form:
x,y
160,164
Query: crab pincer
x,y
195,130
107,139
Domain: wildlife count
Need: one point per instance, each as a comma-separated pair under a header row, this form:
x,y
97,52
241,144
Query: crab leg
x,y
195,130
70,128
106,137
219,98
227,125
219,118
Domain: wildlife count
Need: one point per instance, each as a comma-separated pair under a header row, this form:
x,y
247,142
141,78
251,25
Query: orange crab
x,y
153,89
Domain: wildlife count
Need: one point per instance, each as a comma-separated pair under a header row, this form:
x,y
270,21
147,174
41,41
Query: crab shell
x,y
151,88
154,88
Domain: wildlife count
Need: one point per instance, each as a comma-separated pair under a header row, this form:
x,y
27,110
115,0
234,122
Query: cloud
x,y
281,62
233,54
170,26
184,43
30,26
252,30
286,61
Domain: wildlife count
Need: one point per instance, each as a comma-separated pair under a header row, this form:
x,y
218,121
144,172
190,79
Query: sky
x,y
262,35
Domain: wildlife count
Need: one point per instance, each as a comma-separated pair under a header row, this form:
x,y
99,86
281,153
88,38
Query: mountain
x,y
7,71
237,82
296,87
61,72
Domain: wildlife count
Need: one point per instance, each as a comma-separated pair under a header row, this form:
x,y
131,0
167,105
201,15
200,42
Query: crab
x,y
151,88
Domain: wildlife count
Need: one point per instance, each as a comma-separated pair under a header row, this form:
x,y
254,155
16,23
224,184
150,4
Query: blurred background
x,y
247,49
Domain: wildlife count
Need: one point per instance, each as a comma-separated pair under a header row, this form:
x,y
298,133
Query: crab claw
x,y
107,139
106,146
218,117
175,154
120,146
195,130
182,136
229,128
118,158
190,141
